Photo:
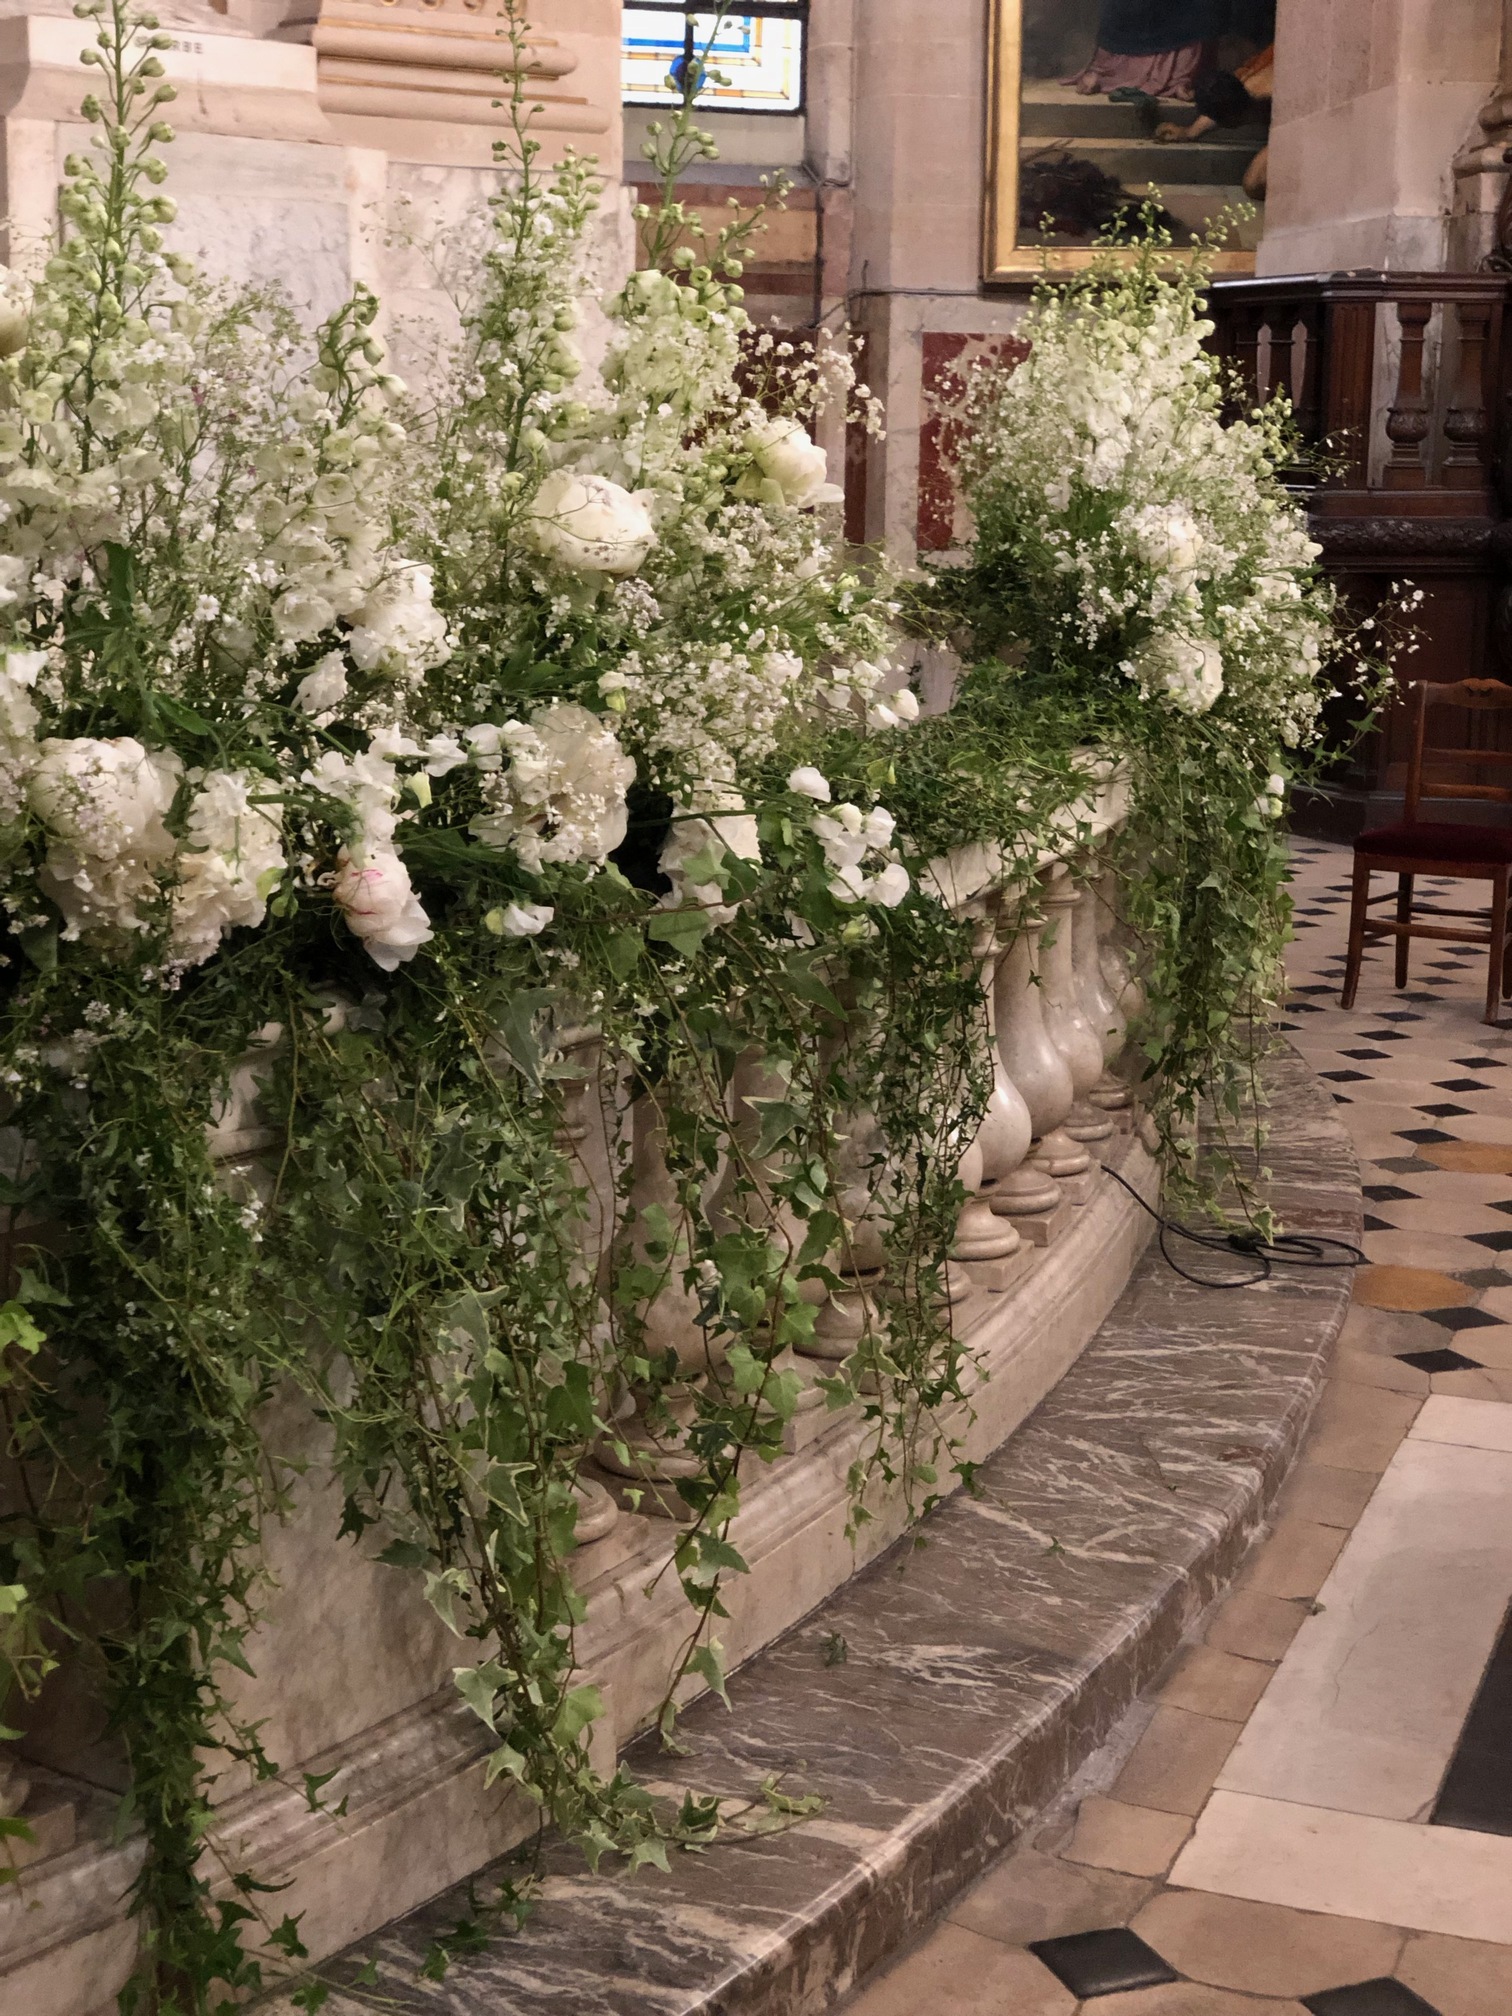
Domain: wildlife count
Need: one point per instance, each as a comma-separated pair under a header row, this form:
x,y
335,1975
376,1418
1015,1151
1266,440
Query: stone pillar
x,y
1374,101
1480,173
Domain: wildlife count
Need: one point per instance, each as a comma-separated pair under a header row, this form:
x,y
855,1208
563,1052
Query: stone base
x,y
1042,1228
937,1700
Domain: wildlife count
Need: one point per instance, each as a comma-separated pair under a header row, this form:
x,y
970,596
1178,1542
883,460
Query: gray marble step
x,y
984,1659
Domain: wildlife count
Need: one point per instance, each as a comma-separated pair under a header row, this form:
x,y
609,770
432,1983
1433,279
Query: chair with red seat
x,y
1441,847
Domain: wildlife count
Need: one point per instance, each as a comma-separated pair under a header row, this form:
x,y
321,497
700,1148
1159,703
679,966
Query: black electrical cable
x,y
1292,1249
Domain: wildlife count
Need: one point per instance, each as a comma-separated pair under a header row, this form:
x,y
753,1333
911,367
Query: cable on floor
x,y
1291,1249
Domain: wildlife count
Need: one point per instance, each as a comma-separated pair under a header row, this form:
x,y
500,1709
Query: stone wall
x,y
1374,101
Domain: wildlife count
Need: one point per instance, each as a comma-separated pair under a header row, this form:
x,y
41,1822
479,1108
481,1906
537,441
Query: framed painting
x,y
1099,108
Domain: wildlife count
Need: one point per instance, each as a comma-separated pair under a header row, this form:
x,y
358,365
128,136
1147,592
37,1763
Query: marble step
x,y
1048,110
945,1695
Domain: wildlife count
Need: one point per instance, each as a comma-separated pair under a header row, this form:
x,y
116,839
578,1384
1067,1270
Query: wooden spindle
x,y
1465,422
1409,421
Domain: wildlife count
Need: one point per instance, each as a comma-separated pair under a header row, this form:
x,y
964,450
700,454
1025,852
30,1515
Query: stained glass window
x,y
759,55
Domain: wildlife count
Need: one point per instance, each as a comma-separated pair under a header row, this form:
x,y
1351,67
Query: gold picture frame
x,y
1004,257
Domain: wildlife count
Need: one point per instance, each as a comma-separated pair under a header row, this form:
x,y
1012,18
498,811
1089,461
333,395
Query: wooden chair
x,y
1417,846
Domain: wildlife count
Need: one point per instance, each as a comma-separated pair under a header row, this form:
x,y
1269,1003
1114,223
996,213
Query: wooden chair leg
x,y
1498,958
1358,901
1404,916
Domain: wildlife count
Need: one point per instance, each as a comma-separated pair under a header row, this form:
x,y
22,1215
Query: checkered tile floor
x,y
1425,1089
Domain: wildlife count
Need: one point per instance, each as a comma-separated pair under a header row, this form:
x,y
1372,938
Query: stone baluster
x,y
584,1141
736,1203
849,1312
1065,1023
984,1235
1124,983
1043,1078
1098,1003
648,1443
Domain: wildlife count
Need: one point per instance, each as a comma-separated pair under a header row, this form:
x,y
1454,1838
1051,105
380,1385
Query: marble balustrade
x,y
352,1669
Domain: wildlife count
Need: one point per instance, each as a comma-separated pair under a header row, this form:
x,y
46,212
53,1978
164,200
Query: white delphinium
x,y
102,804
19,718
232,860
561,798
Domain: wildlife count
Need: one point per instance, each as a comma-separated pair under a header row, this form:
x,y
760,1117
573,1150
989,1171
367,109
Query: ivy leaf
x,y
478,1685
285,1937
580,1707
17,1328
708,1663
683,930
404,1554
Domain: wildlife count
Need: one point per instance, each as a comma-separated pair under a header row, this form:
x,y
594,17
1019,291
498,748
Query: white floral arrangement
x,y
1144,527
331,596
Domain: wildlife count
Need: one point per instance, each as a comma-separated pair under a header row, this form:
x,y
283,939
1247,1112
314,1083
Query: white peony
x,y
562,798
1187,671
102,805
373,893
788,458
588,523
234,858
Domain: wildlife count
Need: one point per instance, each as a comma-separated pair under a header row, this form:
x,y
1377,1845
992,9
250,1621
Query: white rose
x,y
380,907
786,456
325,688
397,627
809,783
586,522
562,798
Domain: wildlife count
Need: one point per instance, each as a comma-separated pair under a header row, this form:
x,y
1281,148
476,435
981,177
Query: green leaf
x,y
708,1663
582,1706
478,1685
683,930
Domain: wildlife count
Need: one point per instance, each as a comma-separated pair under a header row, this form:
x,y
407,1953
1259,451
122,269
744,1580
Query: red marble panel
x,y
949,361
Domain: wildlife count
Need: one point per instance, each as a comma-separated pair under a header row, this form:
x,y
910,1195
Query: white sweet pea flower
x,y
809,783
523,920
891,886
443,754
789,459
397,628
322,690
374,895
590,524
